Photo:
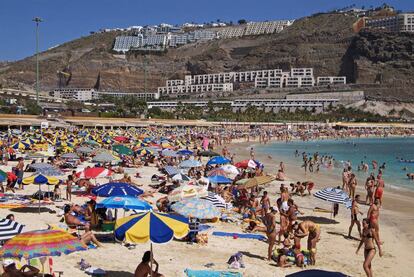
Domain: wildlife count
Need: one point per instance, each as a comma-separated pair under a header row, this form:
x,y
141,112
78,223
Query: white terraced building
x,y
403,22
186,89
90,94
274,105
331,80
253,28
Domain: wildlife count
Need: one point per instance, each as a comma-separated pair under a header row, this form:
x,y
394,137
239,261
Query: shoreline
x,y
398,203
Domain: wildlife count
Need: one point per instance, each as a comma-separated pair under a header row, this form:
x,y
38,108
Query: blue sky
x,y
70,19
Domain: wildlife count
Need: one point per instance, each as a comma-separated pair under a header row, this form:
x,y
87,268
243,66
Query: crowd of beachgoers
x,y
196,179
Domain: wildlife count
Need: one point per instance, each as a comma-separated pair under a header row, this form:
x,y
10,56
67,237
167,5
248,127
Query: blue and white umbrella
x,y
181,177
9,229
124,202
198,208
171,171
219,179
184,152
190,164
169,153
117,189
218,160
334,195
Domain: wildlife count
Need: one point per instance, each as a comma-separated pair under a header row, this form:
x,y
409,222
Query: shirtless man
x,y
265,203
144,268
10,270
373,216
270,222
20,172
313,232
354,216
253,205
72,220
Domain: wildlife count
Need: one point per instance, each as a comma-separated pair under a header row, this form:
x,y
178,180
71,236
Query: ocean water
x,y
388,150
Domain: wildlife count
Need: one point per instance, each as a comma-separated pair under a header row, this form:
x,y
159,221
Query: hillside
x,y
325,42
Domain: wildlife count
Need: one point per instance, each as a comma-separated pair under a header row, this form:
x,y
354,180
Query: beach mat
x,y
316,273
211,273
239,235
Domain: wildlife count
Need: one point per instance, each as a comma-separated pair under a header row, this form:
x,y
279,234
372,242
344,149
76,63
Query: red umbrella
x,y
121,139
216,172
94,172
242,164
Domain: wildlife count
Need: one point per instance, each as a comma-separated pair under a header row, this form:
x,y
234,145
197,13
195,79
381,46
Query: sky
x,y
70,19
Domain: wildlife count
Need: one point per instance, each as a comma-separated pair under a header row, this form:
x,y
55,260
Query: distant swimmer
x,y
410,176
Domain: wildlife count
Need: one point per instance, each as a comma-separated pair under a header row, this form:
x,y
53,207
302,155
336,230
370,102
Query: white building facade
x,y
403,22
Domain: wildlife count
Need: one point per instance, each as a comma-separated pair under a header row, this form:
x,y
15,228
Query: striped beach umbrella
x,y
20,145
9,229
41,243
217,201
151,226
334,195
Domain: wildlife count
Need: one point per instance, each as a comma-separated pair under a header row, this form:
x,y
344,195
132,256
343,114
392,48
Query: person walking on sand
x,y
379,189
354,216
345,180
369,240
265,203
270,222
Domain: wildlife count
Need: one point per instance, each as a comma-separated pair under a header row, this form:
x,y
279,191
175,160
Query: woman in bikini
x,y
313,231
369,239
373,216
352,185
270,222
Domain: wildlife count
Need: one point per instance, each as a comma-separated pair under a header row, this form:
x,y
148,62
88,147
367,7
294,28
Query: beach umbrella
x,y
198,208
20,145
255,181
186,192
70,156
92,142
41,179
216,172
121,139
94,172
46,169
169,153
209,153
218,179
3,176
171,171
104,157
230,169
217,201
184,152
144,151
124,202
249,163
218,160
9,229
84,149
181,177
190,164
151,226
317,273
41,243
334,195
122,150
117,189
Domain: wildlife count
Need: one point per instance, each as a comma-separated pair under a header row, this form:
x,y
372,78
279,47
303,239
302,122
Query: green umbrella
x,y
3,176
122,149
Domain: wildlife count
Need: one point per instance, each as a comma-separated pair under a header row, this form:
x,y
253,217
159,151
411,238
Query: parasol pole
x,y
152,258
39,197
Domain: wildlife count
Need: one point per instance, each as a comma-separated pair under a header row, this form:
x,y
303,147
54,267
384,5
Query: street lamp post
x,y
37,20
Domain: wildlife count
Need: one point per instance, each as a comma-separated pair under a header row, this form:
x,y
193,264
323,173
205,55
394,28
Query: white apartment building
x,y
269,82
403,22
331,80
124,43
77,94
299,81
301,72
119,94
185,89
170,83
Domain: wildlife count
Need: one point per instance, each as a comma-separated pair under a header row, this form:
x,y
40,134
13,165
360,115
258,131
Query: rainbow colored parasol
x,y
41,243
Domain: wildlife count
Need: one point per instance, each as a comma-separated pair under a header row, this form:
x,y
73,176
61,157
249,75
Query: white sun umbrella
x,y
180,177
230,169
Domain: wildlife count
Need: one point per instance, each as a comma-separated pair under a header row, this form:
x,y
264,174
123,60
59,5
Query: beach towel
x,y
211,273
239,235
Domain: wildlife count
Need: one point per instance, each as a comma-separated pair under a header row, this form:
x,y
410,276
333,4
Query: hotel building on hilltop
x,y
90,94
403,22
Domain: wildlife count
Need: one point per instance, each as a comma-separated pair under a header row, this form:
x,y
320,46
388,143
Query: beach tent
x,y
197,208
9,229
117,189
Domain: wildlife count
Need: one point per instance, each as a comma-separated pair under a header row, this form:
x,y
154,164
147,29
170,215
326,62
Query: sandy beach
x,y
335,252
